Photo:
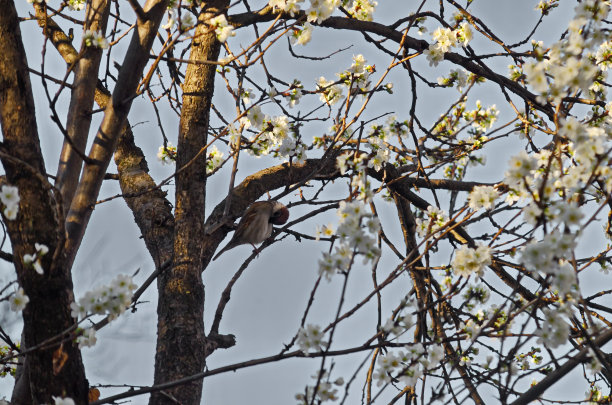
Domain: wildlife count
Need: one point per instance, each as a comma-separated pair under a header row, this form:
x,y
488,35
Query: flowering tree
x,y
473,230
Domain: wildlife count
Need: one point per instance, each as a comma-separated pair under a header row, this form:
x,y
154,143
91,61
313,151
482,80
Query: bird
x,y
256,224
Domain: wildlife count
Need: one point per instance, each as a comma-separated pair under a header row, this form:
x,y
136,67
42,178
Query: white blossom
x,y
18,300
329,93
112,299
9,195
301,36
214,160
483,197
554,330
288,6
167,154
434,55
435,219
469,260
63,401
255,116
88,338
95,39
321,10
362,9
310,339
222,28
325,390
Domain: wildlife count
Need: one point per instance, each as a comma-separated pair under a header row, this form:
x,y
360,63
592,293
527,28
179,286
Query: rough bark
x,y
180,331
39,221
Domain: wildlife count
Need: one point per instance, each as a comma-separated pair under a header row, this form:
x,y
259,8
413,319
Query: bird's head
x,y
280,214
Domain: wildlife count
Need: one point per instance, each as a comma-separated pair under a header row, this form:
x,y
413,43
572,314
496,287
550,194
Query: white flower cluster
x,y
287,6
35,258
586,142
378,142
95,39
325,391
310,339
554,330
402,363
329,92
380,153
456,76
482,197
362,9
63,401
88,338
446,39
539,255
185,19
479,118
292,149
18,300
214,159
482,119
471,329
594,365
301,36
76,5
476,294
408,366
275,137
111,299
167,154
520,167
569,65
319,10
468,260
434,220
254,118
548,256
9,195
246,95
356,77
294,94
354,230
546,5
222,28
542,176
524,178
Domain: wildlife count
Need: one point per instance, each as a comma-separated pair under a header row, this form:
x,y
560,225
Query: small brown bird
x,y
256,224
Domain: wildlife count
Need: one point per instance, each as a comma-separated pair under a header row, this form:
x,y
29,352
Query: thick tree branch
x,y
112,124
39,221
79,111
181,290
151,210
